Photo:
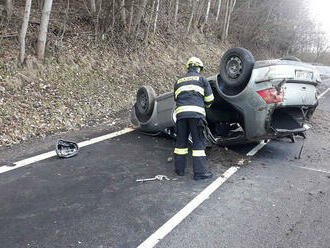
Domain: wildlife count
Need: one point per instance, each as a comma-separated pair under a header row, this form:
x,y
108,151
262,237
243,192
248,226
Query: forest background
x,y
68,64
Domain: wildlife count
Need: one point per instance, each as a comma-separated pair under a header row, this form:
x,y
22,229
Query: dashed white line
x,y
50,154
257,148
188,209
323,94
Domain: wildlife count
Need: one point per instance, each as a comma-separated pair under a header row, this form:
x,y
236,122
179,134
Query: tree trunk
x,y
218,11
93,7
9,9
207,11
113,17
25,25
176,12
65,20
123,12
226,19
131,15
206,14
43,28
140,14
232,5
149,22
169,14
96,19
156,17
198,12
194,3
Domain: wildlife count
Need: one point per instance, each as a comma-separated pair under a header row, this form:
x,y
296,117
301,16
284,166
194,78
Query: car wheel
x,y
145,101
235,70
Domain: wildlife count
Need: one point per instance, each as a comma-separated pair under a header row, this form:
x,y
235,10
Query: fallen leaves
x,y
83,86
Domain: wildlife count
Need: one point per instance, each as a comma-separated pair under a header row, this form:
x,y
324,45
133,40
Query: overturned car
x,y
254,100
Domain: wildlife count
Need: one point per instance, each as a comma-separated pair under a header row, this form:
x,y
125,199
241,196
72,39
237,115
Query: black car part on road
x,y
66,149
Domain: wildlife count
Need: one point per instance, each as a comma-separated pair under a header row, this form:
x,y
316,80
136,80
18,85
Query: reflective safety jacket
x,y
192,94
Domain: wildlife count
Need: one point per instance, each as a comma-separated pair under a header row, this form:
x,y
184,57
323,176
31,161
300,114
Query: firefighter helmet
x,y
193,61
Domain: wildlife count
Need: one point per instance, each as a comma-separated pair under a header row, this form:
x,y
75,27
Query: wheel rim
x,y
234,67
143,102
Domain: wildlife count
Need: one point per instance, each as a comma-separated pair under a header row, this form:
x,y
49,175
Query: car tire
x,y
145,102
235,70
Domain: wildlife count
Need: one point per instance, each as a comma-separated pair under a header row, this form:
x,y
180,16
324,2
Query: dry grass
x,y
86,85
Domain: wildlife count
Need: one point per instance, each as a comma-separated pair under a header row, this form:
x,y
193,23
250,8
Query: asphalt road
x,y
93,200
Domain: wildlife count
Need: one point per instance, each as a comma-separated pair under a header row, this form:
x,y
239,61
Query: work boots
x,y
197,176
205,175
179,172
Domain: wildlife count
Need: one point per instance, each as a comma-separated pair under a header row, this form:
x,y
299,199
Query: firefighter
x,y
192,94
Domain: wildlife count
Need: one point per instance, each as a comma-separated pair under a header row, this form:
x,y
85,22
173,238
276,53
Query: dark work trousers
x,y
184,127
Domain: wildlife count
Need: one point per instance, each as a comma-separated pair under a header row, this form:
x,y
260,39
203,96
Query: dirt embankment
x,y
85,85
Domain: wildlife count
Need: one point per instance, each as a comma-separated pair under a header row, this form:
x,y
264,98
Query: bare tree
x,y
206,14
25,25
231,9
198,12
321,46
43,28
149,22
230,4
131,15
156,17
176,12
97,18
193,9
218,10
123,12
93,7
113,17
9,8
224,26
141,11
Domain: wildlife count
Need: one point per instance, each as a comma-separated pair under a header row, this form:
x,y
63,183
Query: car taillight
x,y
271,95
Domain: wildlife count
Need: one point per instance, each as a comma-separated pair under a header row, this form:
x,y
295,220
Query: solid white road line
x,y
184,212
322,95
50,154
311,169
257,148
105,137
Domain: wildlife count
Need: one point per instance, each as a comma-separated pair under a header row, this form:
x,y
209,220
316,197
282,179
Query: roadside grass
x,y
87,85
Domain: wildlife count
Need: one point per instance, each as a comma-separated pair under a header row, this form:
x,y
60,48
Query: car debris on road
x,y
158,177
66,149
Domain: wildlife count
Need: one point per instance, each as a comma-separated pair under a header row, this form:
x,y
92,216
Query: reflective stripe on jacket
x,y
192,94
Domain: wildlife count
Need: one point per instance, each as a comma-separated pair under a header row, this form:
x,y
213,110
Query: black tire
x,y
235,70
145,102
291,58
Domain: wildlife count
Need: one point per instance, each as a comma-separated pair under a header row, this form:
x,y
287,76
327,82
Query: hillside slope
x,y
85,84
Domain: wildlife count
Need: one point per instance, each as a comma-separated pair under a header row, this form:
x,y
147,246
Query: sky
x,y
320,12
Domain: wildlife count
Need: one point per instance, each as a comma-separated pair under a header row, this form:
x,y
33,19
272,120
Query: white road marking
x,y
50,154
257,148
105,137
311,169
322,95
188,209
